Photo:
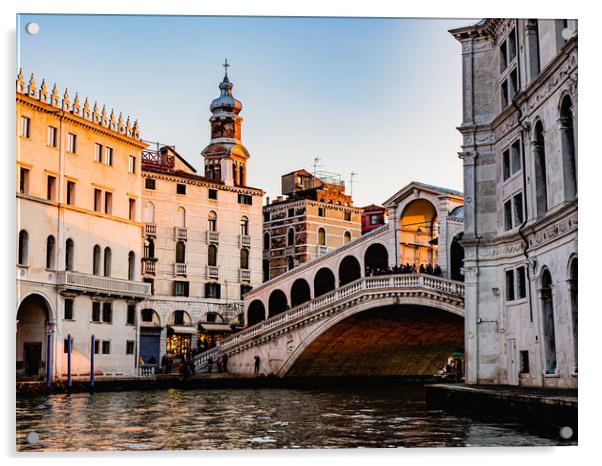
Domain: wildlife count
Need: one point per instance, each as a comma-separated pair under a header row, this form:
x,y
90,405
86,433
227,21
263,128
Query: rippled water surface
x,y
260,418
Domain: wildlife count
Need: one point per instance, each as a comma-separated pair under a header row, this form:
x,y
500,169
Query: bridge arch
x,y
324,281
349,270
439,311
277,303
376,257
300,292
255,313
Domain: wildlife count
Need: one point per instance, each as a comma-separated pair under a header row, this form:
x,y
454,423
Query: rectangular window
x,y
147,315
513,84
521,283
180,288
181,188
97,199
244,289
373,219
98,152
503,56
509,285
68,309
131,164
25,126
108,156
96,346
23,180
51,188
132,209
511,45
107,312
178,317
71,143
212,194
129,347
347,216
66,345
291,212
504,93
524,362
508,215
71,192
106,347
212,290
151,282
267,216
131,316
108,202
506,164
95,311
245,199
321,212
518,209
149,183
52,136
516,160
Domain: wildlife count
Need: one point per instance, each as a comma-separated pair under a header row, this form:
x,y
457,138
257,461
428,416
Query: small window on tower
x,y
181,188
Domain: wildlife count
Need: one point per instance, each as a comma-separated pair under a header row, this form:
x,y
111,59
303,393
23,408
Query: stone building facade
x,y
519,153
79,234
315,217
202,239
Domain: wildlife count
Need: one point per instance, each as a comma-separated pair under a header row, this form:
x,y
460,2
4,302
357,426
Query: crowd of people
x,y
406,268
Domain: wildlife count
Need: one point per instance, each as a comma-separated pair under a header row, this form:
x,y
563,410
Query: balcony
x,y
150,229
94,284
180,233
212,271
321,250
245,275
148,266
245,241
213,236
289,251
179,269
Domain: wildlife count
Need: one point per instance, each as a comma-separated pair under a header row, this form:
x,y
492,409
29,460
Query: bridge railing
x,y
409,281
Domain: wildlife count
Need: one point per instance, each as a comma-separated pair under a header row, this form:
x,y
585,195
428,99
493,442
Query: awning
x,y
182,329
215,328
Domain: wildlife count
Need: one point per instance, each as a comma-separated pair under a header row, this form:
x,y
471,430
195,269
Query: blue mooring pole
x,y
48,362
92,362
69,362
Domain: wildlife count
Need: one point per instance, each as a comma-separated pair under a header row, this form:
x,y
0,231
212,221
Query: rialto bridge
x,y
351,312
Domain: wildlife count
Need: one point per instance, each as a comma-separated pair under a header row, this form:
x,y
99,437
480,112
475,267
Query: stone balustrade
x,y
179,269
213,236
76,281
180,233
150,229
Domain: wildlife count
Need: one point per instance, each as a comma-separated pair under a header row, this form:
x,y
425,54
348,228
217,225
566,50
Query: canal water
x,y
379,417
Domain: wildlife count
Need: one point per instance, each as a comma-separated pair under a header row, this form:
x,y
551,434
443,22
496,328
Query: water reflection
x,y
262,418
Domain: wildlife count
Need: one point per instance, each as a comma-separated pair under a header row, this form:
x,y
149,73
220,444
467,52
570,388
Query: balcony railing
x,y
212,271
213,236
179,269
148,266
289,251
101,285
180,233
245,275
321,250
150,229
147,370
245,241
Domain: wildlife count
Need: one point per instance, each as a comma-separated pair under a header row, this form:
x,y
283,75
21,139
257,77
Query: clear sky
x,y
380,97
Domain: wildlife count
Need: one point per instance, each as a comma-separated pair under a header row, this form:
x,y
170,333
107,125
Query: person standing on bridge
x,y
257,363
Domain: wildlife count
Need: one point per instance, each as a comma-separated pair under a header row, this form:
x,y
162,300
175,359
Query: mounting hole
x,y
32,438
566,33
566,432
32,28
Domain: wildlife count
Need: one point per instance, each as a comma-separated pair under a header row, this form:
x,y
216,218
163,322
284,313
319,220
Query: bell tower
x,y
225,156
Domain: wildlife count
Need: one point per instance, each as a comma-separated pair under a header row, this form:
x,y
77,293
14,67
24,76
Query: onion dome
x,y
225,103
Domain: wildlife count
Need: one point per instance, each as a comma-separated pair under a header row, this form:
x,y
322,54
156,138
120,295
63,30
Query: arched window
x,y
244,258
131,265
347,237
50,252
149,213
181,217
96,260
212,253
23,247
290,237
266,241
244,226
149,248
180,252
547,307
212,219
69,254
108,256
322,237
567,134
541,180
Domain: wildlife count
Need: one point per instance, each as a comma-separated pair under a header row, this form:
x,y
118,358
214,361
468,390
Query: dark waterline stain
x,y
376,417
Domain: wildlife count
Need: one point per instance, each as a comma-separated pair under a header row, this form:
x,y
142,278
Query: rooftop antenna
x,y
316,165
226,65
351,181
